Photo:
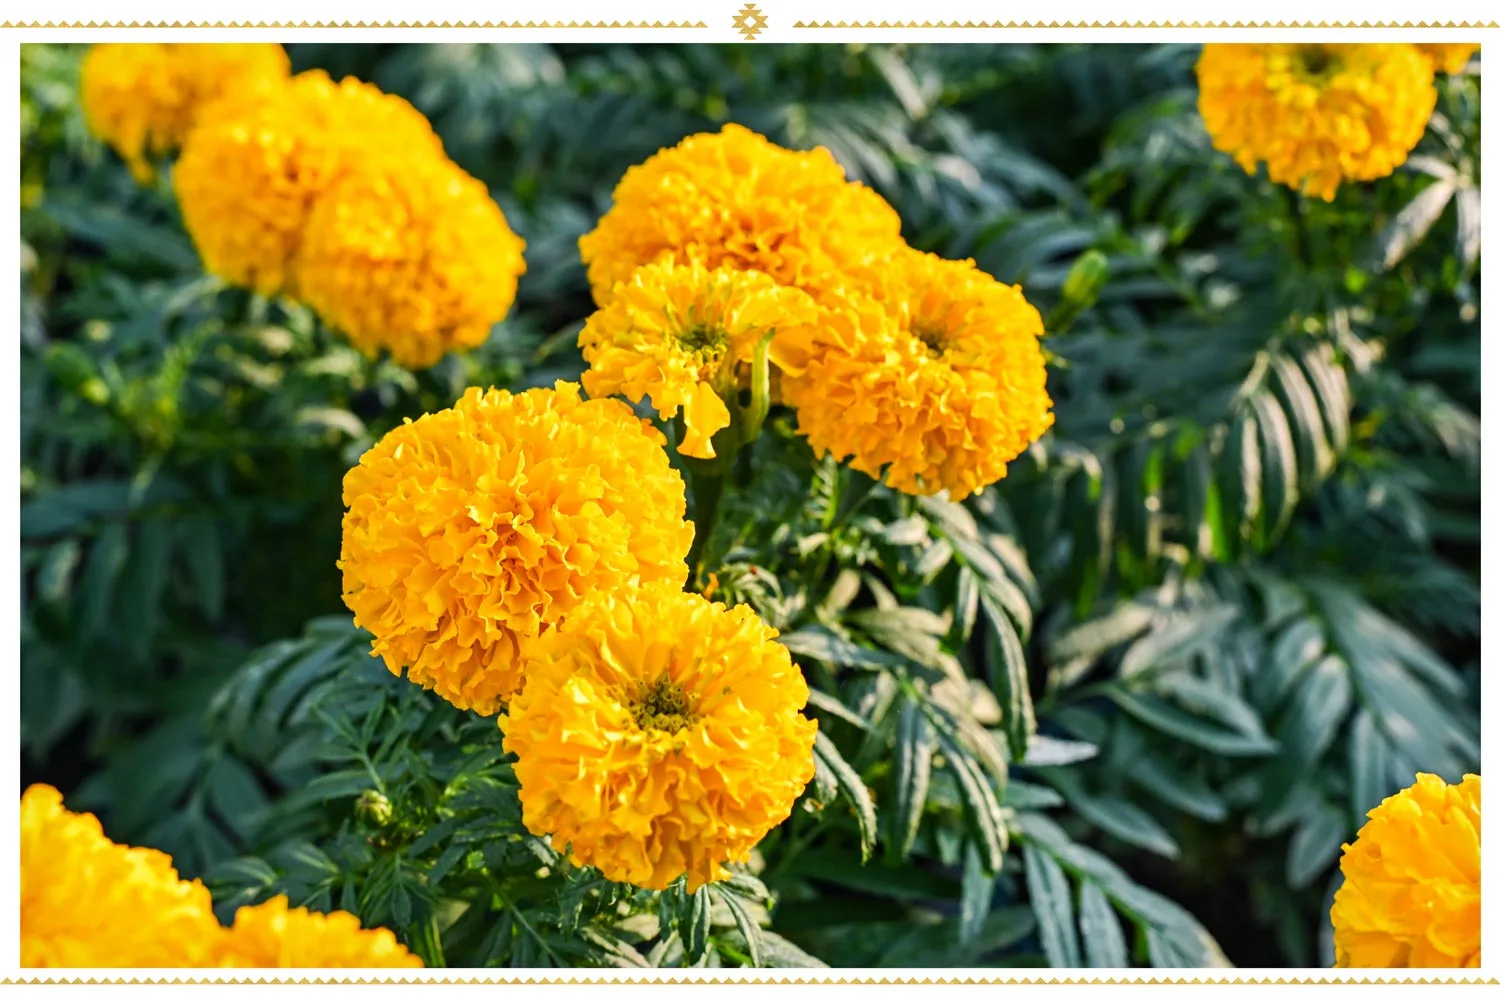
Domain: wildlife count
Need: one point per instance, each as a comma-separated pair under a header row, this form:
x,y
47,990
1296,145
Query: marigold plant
x,y
932,374
248,177
1410,896
1317,115
489,521
87,902
659,734
410,256
735,199
142,98
683,335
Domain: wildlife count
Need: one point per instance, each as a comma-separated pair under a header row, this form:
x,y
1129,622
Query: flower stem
x,y
708,493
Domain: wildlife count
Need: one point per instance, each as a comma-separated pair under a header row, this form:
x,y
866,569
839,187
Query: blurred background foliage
x,y
1129,700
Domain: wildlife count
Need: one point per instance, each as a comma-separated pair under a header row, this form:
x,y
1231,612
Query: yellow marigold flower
x,y
659,734
87,902
681,334
1316,115
1410,896
1449,58
410,256
735,199
142,98
249,174
272,935
934,375
491,520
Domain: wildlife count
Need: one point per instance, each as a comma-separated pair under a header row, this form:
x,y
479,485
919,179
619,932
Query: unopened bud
x,y
374,808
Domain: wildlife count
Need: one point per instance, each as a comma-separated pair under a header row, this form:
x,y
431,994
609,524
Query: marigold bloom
x,y
249,174
1450,58
659,734
272,935
1316,115
735,199
491,520
410,256
1410,896
87,902
681,334
932,374
142,98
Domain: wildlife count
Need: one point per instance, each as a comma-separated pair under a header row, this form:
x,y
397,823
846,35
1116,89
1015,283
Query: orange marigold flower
x,y
1317,115
659,734
1451,58
142,98
90,903
272,935
411,256
933,374
683,334
1410,896
249,174
735,199
491,520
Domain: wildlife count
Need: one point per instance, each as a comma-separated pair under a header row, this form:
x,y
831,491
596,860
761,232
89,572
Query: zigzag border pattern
x,y
355,24
396,978
950,25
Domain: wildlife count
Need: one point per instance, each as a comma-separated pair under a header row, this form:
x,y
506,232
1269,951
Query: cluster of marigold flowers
x,y
1318,115
528,552
89,903
334,194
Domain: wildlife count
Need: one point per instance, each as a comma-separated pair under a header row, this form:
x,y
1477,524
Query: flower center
x,y
663,705
1316,60
936,340
706,342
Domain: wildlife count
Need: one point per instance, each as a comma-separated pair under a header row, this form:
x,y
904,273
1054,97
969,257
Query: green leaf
x,y
1008,677
1240,483
1190,729
910,776
1315,845
822,644
1370,762
746,924
1103,939
978,895
1407,229
981,808
827,756
828,703
1180,790
1116,816
1048,752
1314,455
1052,901
695,926
1279,466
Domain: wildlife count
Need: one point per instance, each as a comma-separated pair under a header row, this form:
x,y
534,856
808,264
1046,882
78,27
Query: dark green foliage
x,y
1224,608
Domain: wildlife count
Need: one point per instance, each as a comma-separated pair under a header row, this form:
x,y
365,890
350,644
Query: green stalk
x,y
708,494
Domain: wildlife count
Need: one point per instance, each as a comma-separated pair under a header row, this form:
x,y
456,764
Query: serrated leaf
x,y
822,644
746,924
1314,455
1315,845
981,808
1048,752
1407,229
1103,939
694,926
978,895
1052,902
826,755
912,770
1190,729
1279,469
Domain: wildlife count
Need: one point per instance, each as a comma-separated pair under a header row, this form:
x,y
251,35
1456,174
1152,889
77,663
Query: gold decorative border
x,y
502,977
950,25
511,25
